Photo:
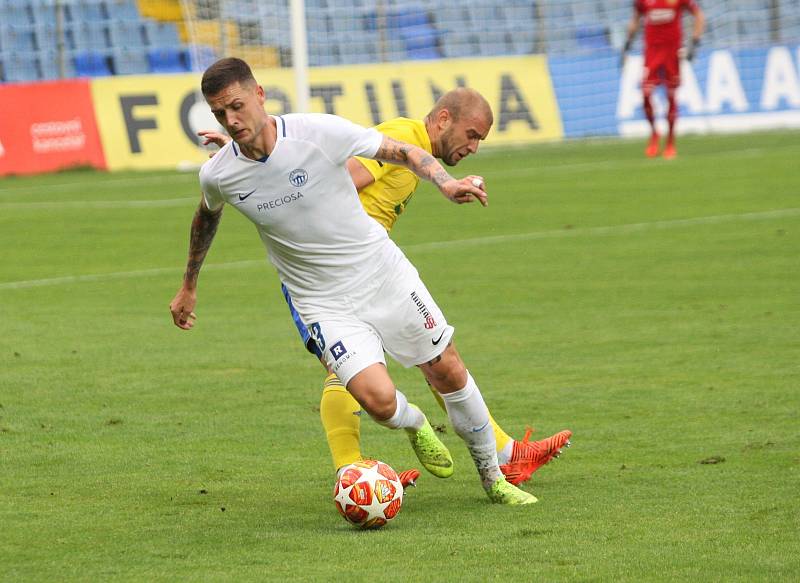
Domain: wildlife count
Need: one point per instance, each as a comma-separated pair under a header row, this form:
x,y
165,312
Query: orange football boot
x,y
529,456
652,146
409,478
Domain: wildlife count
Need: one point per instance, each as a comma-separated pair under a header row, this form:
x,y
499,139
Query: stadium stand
x,y
45,39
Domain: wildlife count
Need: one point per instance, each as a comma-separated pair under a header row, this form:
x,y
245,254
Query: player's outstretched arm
x,y
204,227
633,28
425,166
697,33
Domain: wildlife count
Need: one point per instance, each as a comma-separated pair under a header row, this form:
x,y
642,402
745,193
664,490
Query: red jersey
x,y
662,20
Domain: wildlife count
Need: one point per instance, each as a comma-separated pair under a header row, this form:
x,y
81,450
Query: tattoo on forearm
x,y
204,227
393,151
407,155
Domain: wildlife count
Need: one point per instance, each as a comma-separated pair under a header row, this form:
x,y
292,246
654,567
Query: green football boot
x,y
501,492
431,452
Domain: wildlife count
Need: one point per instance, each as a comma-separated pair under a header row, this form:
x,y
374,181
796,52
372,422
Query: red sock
x,y
672,115
648,111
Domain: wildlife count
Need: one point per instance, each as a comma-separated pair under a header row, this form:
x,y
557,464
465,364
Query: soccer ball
x,y
368,494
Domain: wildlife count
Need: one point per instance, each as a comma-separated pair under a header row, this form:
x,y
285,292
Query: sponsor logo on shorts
x,y
430,323
298,177
338,350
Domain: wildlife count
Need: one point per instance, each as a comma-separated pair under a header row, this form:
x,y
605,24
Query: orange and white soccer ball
x,y
368,494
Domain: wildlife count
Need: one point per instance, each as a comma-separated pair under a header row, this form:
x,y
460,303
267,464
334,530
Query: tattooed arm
x,y
425,166
204,227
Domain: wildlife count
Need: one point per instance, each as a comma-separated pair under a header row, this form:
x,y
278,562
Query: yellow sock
x,y
339,412
501,437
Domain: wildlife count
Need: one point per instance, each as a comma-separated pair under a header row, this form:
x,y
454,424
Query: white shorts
x,y
395,314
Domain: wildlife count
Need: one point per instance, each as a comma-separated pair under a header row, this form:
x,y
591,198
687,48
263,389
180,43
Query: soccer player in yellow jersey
x,y
451,131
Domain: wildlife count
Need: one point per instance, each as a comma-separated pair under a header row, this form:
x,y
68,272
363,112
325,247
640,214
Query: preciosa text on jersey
x,y
280,201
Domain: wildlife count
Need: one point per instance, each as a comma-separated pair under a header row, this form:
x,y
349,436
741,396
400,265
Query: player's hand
x,y
182,308
691,50
468,189
213,137
624,54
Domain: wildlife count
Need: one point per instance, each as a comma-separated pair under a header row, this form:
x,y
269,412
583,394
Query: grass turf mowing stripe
x,y
435,245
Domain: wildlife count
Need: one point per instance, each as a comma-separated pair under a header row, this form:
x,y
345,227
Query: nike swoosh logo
x,y
438,340
244,196
481,428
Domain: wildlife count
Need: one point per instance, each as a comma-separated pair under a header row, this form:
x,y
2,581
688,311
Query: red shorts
x,y
661,65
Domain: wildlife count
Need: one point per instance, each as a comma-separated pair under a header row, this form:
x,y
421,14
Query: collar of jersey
x,y
281,133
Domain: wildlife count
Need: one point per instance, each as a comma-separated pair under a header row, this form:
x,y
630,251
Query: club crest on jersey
x,y
298,177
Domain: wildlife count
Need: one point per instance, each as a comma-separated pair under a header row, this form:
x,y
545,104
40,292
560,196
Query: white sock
x,y
405,416
470,419
504,455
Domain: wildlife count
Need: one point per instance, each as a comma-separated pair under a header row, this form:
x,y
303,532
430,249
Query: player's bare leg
x,y
672,115
653,145
470,420
374,389
341,418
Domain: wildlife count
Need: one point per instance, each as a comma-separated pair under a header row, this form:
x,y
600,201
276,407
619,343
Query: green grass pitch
x,y
652,307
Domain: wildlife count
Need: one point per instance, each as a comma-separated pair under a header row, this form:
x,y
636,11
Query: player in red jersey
x,y
663,39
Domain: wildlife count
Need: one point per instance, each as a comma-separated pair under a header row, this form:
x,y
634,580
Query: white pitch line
x,y
610,230
494,152
99,204
432,246
124,274
158,178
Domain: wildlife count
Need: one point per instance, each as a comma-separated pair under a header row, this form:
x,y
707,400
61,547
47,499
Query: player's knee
x,y
449,374
380,405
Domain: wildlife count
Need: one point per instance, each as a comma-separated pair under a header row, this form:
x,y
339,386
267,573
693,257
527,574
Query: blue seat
x,y
17,38
130,61
317,24
493,43
91,64
16,13
200,57
522,41
360,48
50,67
592,37
460,44
421,42
87,36
87,11
123,10
167,60
161,34
19,67
46,36
408,17
126,34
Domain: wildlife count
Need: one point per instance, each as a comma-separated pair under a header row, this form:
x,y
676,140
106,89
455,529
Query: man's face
x,y
240,110
461,138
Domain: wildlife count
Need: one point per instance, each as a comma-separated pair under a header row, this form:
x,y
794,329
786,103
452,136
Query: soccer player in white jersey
x,y
352,286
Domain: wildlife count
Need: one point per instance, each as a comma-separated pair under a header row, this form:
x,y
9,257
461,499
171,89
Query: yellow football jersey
x,y
387,197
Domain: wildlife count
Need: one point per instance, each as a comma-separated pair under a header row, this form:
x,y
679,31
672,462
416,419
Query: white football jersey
x,y
304,204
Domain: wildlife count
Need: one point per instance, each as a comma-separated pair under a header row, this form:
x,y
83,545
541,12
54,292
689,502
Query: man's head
x,y
459,120
235,98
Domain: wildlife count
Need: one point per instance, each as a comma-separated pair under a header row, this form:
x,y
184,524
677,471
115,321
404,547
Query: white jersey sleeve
x,y
209,185
341,139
